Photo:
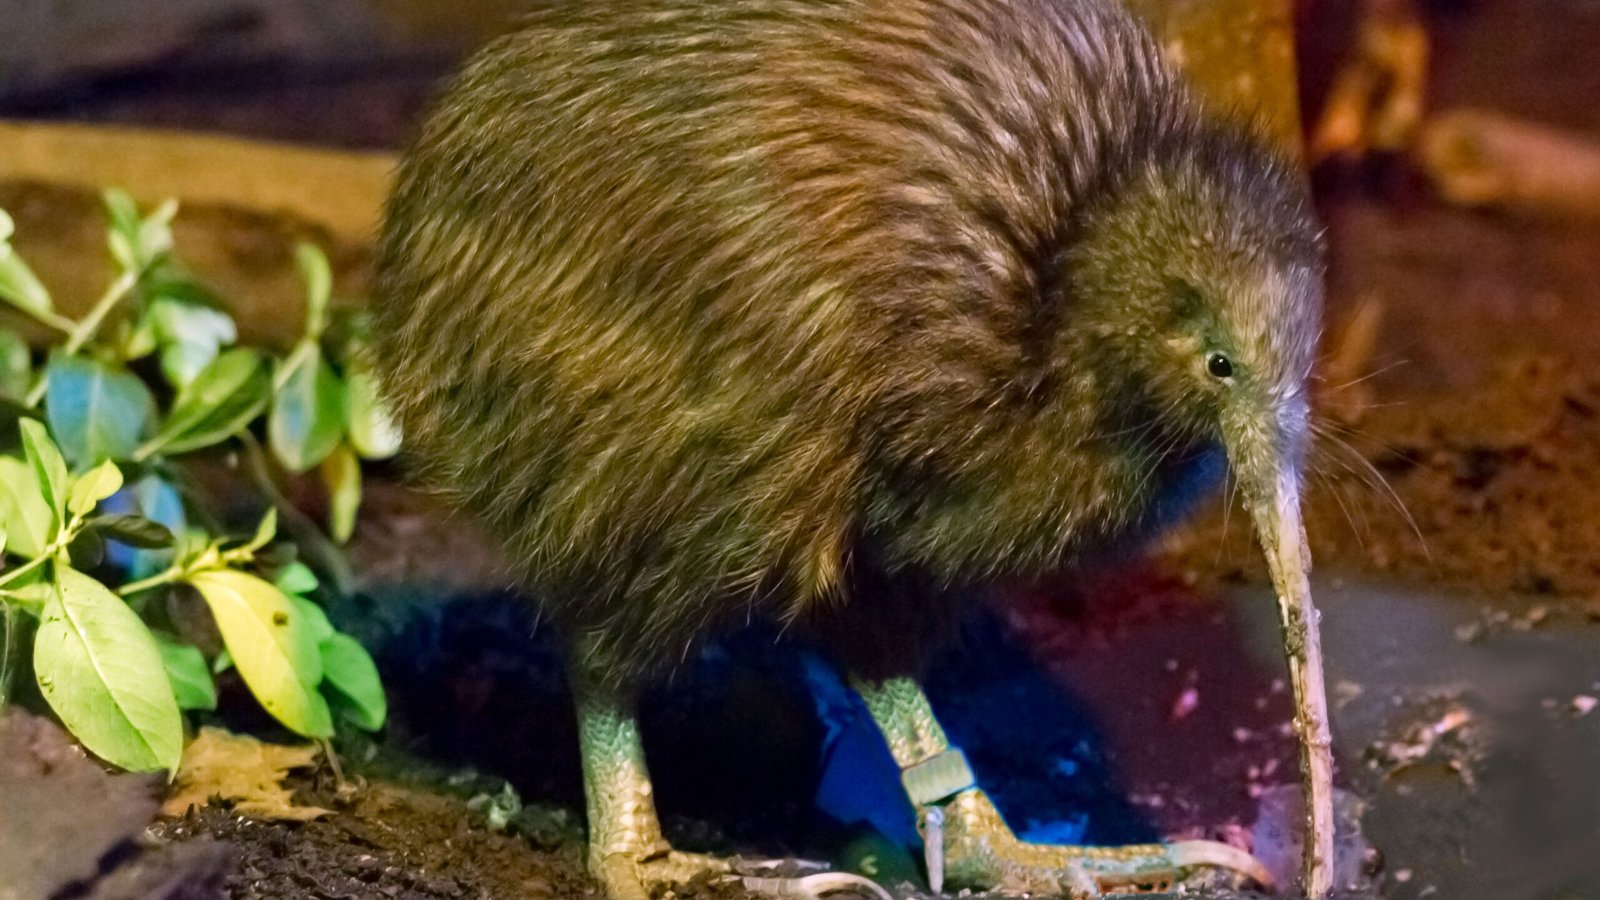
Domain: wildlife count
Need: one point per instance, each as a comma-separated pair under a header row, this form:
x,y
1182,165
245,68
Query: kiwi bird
x,y
834,312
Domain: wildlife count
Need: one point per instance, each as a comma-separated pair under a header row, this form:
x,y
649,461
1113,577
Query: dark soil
x,y
391,841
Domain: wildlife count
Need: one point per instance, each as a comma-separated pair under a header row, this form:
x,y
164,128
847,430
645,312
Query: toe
x,y
620,877
822,884
1214,854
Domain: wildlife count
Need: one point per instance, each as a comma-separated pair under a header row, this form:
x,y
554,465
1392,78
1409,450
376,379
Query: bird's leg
x,y
980,851
627,853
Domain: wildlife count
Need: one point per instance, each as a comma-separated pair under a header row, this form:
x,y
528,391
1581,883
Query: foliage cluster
x,y
105,542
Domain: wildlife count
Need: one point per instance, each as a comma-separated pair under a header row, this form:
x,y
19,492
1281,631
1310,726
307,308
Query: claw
x,y
811,887
1190,854
1179,862
809,865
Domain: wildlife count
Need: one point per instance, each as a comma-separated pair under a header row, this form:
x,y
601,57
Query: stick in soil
x,y
1283,540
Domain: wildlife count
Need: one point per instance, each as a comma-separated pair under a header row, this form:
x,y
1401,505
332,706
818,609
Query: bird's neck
x,y
1029,495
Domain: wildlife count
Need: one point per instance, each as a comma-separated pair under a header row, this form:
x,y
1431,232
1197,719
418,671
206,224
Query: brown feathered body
x,y
817,310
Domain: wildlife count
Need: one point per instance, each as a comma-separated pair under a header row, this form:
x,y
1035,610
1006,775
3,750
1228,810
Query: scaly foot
x,y
628,876
981,852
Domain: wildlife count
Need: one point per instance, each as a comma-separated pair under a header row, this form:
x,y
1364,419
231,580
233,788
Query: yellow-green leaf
x,y
18,285
16,366
373,432
341,475
272,645
266,530
95,485
48,466
23,510
101,672
318,278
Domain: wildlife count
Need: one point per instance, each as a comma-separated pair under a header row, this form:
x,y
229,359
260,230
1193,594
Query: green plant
x,y
102,539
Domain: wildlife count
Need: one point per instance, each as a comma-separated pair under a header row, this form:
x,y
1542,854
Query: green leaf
x,y
222,663
102,673
93,486
318,278
24,512
296,579
48,467
158,502
272,644
349,669
18,285
16,366
319,624
136,243
155,232
186,669
220,402
373,432
307,417
341,474
121,211
135,531
138,337
190,542
96,412
86,550
190,335
266,530
123,236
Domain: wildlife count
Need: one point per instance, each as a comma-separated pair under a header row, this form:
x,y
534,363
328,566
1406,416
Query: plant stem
x,y
8,650
144,584
329,558
333,760
85,328
30,565
90,324
54,320
68,533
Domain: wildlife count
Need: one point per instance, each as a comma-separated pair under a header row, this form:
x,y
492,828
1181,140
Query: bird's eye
x,y
1219,366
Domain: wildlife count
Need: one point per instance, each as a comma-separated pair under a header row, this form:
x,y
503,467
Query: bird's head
x,y
1198,277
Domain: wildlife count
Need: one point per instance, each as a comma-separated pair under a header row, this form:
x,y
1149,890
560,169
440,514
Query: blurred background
x,y
1455,149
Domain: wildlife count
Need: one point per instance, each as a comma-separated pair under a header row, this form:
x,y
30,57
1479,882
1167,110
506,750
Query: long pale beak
x,y
1272,491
